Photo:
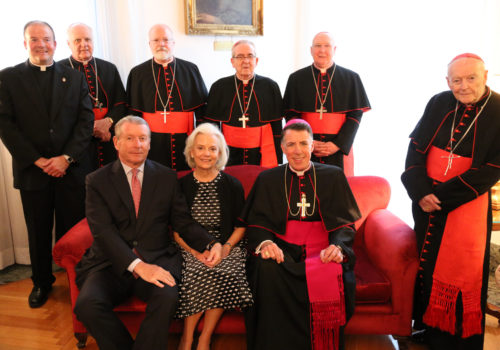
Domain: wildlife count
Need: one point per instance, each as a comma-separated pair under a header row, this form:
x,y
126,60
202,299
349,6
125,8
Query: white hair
x,y
207,129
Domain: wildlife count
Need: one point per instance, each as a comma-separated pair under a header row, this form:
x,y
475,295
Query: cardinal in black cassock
x,y
167,91
331,99
250,108
105,90
453,160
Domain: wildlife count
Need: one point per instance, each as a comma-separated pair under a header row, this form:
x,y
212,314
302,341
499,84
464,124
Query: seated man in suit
x,y
130,205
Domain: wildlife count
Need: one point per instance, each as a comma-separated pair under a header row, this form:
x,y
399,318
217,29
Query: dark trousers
x,y
67,204
103,290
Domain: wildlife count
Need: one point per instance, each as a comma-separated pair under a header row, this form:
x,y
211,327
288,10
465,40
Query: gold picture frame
x,y
224,17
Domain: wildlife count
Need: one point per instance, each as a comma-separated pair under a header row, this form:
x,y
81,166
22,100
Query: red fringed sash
x,y
459,264
324,284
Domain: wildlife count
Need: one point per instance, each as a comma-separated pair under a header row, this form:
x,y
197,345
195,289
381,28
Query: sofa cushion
x,y
371,285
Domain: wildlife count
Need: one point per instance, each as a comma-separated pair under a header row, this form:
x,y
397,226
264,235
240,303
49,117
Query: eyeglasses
x,y
241,57
161,41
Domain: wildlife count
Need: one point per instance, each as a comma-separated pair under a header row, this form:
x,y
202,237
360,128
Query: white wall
x,y
400,48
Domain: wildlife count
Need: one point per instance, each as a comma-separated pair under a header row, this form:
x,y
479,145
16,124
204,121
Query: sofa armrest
x,y
391,246
69,249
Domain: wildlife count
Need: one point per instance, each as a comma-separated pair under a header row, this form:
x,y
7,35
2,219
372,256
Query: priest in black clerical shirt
x,y
46,124
300,219
105,90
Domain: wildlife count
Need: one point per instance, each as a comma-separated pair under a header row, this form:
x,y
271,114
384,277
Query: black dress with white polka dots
x,y
224,286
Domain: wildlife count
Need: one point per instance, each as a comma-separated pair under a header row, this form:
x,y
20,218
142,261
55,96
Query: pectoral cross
x,y
450,161
98,104
320,111
164,113
243,120
303,205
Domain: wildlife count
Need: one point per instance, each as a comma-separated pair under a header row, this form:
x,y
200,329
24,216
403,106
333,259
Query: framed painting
x,y
224,17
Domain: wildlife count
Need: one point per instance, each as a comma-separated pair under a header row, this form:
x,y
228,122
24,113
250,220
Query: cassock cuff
x,y
132,265
257,250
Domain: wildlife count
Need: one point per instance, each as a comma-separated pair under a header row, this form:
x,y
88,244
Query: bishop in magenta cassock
x,y
300,219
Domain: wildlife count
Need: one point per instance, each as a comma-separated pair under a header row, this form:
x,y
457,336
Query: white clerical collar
x,y
245,81
128,169
166,63
323,70
299,173
83,62
43,68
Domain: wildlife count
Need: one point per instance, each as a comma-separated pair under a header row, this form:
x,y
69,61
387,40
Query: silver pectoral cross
x,y
243,120
320,111
164,113
450,161
98,104
303,205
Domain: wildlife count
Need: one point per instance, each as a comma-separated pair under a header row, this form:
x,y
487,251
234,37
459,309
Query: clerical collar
x,y
43,68
170,60
299,173
323,70
81,62
245,81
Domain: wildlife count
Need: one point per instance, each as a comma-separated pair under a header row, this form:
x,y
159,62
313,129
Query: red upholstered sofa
x,y
385,271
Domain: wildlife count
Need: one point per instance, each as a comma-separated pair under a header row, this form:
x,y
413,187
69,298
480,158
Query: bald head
x,y
324,36
161,43
322,50
81,42
467,78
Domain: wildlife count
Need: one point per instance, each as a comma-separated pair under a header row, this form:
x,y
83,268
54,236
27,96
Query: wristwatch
x,y
69,159
211,244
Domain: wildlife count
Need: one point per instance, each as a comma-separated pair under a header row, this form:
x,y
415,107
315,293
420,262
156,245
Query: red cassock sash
x,y
100,113
324,283
330,123
253,137
459,264
171,123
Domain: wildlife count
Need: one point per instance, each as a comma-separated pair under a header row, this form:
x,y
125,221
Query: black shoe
x,y
38,296
419,336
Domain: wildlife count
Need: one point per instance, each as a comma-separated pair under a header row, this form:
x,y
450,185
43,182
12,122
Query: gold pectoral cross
x,y
320,111
164,113
243,120
303,205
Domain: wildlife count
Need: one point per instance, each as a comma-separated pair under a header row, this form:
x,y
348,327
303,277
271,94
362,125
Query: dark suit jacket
x,y
30,130
116,230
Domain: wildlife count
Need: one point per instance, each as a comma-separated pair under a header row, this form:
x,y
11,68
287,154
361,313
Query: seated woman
x,y
216,200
